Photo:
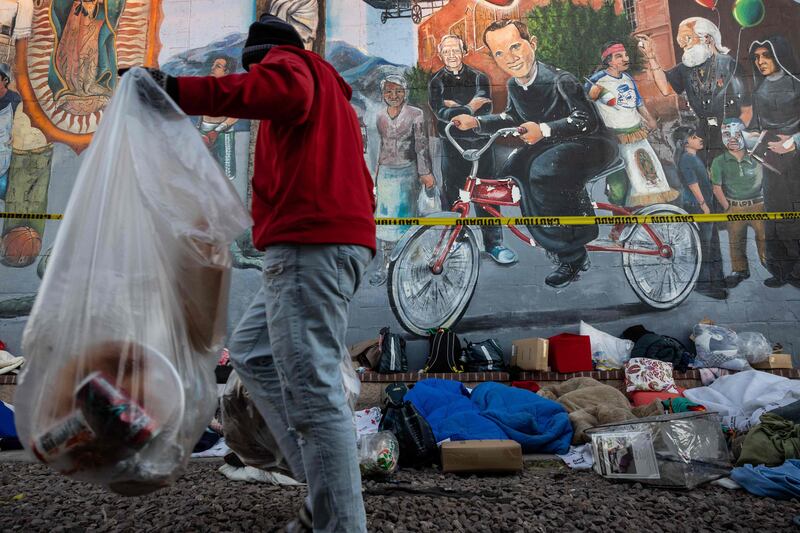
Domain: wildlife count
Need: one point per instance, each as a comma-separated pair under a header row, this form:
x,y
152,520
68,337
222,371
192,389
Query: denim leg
x,y
309,289
251,357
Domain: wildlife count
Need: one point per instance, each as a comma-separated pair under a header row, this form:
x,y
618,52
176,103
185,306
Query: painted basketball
x,y
501,3
20,247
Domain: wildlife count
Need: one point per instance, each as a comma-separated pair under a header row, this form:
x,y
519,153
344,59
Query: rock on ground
x,y
545,497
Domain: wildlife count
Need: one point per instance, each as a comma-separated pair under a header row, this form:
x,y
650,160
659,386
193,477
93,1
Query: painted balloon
x,y
710,4
748,13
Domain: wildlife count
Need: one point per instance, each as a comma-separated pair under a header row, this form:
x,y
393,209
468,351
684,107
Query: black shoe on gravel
x,y
566,273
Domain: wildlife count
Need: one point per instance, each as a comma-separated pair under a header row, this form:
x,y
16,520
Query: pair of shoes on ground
x,y
775,282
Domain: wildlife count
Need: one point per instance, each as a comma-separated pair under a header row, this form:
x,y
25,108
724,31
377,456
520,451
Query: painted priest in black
x,y
455,90
568,144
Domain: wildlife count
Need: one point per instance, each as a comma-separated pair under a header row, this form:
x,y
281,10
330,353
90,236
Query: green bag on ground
x,y
771,443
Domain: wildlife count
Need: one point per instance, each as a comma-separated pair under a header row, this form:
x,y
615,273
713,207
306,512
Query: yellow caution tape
x,y
666,218
32,216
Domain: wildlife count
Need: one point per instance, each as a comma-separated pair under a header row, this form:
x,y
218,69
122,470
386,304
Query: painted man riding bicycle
x,y
567,144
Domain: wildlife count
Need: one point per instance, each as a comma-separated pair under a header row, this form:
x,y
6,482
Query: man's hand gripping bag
x,y
123,337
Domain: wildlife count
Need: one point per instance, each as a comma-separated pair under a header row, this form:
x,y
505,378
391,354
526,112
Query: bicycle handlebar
x,y
504,132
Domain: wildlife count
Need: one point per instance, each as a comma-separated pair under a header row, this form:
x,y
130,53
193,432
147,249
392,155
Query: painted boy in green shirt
x,y
736,179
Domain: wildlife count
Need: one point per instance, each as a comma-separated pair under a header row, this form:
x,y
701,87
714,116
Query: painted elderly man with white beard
x,y
707,75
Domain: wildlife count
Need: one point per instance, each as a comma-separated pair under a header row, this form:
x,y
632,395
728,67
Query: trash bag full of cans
x,y
123,337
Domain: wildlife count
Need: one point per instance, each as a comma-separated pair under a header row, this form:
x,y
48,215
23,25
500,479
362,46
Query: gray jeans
x,y
287,350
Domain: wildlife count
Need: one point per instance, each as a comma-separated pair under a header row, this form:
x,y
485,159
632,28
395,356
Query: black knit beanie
x,y
269,31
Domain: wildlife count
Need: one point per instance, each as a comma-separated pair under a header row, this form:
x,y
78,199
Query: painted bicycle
x,y
434,270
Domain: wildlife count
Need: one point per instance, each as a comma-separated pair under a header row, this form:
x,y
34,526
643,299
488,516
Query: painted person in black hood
x,y
776,120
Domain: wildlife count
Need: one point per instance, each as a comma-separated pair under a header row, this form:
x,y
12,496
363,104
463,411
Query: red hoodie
x,y
310,182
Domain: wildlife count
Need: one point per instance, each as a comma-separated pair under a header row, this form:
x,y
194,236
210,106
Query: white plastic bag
x,y
754,346
717,347
608,352
429,201
124,335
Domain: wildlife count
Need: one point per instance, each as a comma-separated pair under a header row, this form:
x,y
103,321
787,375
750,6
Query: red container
x,y
570,353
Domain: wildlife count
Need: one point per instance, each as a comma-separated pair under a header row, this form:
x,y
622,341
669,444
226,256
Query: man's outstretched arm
x,y
281,90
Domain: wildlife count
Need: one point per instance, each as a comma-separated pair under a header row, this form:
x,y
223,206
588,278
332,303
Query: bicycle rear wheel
x,y
663,282
421,299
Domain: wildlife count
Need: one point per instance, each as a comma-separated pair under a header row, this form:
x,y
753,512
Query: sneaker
x,y
503,255
566,273
736,278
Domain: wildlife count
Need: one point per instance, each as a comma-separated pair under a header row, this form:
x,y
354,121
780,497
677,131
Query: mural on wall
x,y
604,127
627,106
65,56
67,67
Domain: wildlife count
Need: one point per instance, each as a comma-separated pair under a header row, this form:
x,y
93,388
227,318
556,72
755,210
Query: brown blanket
x,y
591,403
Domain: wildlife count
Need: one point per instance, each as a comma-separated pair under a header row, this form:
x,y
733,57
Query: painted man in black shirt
x,y
568,144
456,90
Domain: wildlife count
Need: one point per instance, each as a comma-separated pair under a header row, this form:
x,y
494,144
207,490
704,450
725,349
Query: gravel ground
x,y
545,497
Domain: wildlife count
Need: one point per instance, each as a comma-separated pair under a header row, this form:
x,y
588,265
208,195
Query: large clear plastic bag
x,y
717,347
123,338
754,346
680,450
246,432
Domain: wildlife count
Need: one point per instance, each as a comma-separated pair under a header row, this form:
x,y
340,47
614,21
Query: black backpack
x,y
445,352
484,356
414,435
393,353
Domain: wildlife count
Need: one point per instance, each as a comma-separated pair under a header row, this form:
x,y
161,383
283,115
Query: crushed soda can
x,y
68,435
113,414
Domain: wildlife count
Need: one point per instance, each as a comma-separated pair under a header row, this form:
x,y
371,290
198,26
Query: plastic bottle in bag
x,y
378,454
122,340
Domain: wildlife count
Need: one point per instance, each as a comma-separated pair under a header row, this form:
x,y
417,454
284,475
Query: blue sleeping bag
x,y
493,411
7,429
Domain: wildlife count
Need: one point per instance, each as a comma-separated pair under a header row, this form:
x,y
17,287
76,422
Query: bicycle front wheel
x,y
663,282
422,299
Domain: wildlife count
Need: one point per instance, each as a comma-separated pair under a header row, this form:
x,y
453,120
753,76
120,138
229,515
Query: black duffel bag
x,y
484,356
417,443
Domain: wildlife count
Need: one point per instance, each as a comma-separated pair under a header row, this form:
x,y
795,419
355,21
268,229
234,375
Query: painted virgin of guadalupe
x,y
83,65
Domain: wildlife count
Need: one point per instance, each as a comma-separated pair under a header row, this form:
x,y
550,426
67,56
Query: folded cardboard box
x,y
776,360
481,456
530,354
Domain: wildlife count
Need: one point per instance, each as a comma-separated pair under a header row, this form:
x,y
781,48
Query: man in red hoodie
x,y
313,209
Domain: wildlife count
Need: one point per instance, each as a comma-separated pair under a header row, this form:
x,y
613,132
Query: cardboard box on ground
x,y
778,360
481,456
530,354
